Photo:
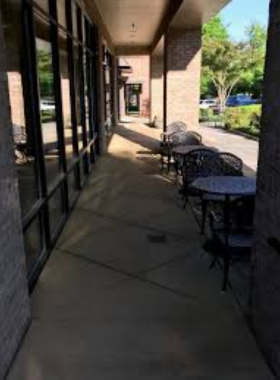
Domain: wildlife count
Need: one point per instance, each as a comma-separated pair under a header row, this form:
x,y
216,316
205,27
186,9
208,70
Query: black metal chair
x,y
184,138
20,143
197,163
224,164
177,126
166,136
233,241
229,164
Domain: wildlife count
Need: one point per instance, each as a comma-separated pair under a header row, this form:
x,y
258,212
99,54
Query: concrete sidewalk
x,y
127,293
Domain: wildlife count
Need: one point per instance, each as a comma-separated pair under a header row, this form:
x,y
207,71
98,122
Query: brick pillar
x,y
157,66
183,66
265,284
14,300
122,103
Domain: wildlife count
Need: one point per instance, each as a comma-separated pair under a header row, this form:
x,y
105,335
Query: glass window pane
x,y
23,135
65,91
78,97
47,102
34,244
43,4
74,19
56,208
72,187
82,171
87,89
61,12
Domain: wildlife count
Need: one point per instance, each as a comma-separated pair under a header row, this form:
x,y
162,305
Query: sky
x,y
239,13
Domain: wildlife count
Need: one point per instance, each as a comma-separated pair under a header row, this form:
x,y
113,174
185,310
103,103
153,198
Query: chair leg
x,y
168,163
162,162
185,198
226,271
204,214
213,262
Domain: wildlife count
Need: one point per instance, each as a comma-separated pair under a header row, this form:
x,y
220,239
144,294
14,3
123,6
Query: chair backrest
x,y
184,138
196,136
177,126
229,164
198,163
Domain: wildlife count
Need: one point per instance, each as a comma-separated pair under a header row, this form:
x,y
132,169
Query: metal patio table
x,y
227,187
182,150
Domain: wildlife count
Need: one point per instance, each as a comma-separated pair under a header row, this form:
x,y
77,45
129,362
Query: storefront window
x,y
65,92
47,99
24,146
51,169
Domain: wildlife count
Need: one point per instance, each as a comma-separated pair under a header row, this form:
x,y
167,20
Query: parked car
x,y
47,105
240,100
205,104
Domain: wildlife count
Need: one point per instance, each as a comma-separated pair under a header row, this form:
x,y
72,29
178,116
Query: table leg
x,y
226,252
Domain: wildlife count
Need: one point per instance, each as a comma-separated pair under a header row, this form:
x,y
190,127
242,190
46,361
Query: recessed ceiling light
x,y
133,28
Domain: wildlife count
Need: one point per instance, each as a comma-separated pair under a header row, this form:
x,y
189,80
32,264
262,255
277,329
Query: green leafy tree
x,y
217,31
222,63
45,72
254,48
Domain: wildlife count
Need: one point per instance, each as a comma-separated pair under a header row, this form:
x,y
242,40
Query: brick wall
x,y
14,300
157,88
183,65
141,74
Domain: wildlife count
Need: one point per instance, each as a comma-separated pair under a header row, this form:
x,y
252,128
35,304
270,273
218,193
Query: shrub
x,y
244,116
206,114
47,116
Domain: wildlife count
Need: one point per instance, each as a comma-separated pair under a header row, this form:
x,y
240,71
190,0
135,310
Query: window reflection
x,y
56,208
47,102
87,88
65,92
78,97
24,153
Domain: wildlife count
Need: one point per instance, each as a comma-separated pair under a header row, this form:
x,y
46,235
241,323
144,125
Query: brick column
x,y
183,66
14,300
157,74
265,284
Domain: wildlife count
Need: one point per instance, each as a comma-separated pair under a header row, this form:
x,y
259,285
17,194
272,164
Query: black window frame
x,y
33,115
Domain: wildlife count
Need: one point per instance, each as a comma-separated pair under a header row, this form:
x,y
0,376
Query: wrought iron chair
x,y
234,241
177,139
197,163
165,143
225,164
188,138
20,143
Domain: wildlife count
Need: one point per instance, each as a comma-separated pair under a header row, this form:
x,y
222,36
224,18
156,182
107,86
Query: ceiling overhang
x,y
136,27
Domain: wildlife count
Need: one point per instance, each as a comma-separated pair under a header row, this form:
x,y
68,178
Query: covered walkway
x,y
127,294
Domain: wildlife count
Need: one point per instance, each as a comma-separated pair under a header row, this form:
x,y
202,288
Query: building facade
x,y
60,99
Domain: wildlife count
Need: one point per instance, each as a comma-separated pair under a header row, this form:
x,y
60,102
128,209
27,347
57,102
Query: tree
x,y
222,63
45,71
254,47
213,30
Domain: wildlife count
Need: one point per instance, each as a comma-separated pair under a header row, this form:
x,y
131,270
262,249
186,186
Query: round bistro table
x,y
227,187
182,150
